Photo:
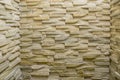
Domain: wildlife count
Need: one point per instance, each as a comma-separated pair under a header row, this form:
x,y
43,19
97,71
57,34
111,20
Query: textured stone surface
x,y
60,39
9,40
65,39
9,55
115,38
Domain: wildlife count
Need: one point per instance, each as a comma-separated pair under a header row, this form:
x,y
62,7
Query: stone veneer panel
x,y
65,39
115,40
9,54
9,40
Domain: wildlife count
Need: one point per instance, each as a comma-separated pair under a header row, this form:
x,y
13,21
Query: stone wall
x,y
9,40
9,54
65,39
115,40
61,39
9,13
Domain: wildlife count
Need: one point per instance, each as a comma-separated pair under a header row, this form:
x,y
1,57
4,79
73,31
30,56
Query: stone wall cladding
x,y
9,13
115,40
9,54
9,40
65,39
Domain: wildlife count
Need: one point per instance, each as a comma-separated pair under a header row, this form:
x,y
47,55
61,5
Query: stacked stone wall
x,y
115,40
65,39
9,40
